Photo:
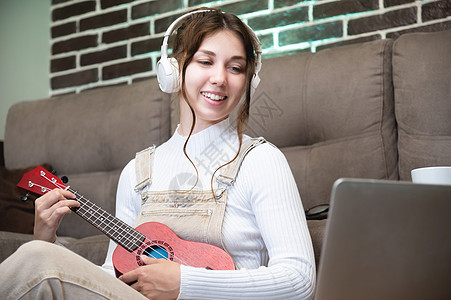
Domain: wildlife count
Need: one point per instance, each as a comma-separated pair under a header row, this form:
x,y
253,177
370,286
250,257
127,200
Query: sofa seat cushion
x,y
421,77
10,241
317,229
93,248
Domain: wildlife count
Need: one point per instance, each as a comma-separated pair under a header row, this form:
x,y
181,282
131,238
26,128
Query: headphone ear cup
x,y
168,75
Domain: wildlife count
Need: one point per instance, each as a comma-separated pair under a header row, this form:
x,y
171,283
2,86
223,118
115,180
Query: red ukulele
x,y
152,239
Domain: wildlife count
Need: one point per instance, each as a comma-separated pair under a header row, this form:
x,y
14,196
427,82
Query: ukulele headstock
x,y
40,181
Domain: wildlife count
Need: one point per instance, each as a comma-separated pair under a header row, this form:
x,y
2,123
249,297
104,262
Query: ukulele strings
x,y
128,237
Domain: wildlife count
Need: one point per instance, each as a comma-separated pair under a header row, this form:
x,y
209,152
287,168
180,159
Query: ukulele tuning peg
x,y
25,197
64,179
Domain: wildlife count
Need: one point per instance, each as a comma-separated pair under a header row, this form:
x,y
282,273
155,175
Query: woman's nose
x,y
218,76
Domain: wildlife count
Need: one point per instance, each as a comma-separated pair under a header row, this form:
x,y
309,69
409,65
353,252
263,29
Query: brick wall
x,y
107,42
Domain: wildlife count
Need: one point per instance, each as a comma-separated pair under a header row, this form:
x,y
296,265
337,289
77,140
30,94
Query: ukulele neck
x,y
114,228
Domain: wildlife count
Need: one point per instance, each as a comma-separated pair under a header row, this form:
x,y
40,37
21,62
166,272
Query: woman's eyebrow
x,y
213,54
207,52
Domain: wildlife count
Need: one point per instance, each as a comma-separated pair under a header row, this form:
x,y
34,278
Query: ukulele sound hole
x,y
156,251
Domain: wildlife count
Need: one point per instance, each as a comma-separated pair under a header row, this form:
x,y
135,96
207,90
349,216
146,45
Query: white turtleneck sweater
x,y
264,228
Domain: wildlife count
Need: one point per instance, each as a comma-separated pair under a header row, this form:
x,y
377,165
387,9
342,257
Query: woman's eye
x,y
205,62
236,69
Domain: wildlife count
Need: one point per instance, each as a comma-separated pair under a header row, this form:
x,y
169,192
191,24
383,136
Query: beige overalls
x,y
193,215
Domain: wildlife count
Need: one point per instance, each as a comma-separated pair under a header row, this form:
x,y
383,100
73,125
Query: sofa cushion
x,y
93,248
421,77
99,188
10,241
94,131
89,137
331,113
317,229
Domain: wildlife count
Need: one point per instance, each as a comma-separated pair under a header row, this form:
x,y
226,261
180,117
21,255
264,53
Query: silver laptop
x,y
386,240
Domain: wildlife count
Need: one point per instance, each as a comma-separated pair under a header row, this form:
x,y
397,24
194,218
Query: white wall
x,y
24,53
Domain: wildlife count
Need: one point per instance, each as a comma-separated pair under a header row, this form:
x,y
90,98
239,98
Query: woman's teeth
x,y
213,96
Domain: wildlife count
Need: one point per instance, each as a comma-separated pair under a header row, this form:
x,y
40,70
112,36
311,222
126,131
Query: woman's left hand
x,y
158,279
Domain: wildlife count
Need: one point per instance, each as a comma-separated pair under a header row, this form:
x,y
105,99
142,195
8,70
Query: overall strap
x,y
143,167
229,175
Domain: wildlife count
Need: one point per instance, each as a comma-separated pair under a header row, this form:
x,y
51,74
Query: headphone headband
x,y
167,68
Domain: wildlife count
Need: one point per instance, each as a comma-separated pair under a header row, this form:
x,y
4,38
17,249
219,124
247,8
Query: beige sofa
x,y
368,110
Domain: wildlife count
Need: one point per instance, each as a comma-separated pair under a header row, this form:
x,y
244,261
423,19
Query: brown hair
x,y
188,39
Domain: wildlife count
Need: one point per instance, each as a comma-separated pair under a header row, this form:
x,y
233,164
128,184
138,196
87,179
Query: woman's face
x,y
215,80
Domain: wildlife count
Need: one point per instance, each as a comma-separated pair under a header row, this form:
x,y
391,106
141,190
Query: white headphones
x,y
168,69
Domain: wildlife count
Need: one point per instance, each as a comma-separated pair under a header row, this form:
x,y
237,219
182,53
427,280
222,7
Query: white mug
x,y
432,175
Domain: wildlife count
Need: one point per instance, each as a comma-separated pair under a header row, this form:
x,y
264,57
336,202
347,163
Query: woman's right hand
x,y
49,211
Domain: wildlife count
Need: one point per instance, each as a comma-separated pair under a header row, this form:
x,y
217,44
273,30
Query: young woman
x,y
209,182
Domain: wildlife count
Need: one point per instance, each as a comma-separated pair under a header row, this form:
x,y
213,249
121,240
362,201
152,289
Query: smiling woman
x,y
214,83
241,198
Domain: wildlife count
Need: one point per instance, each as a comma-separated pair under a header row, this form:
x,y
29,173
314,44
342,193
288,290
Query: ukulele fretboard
x,y
114,228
